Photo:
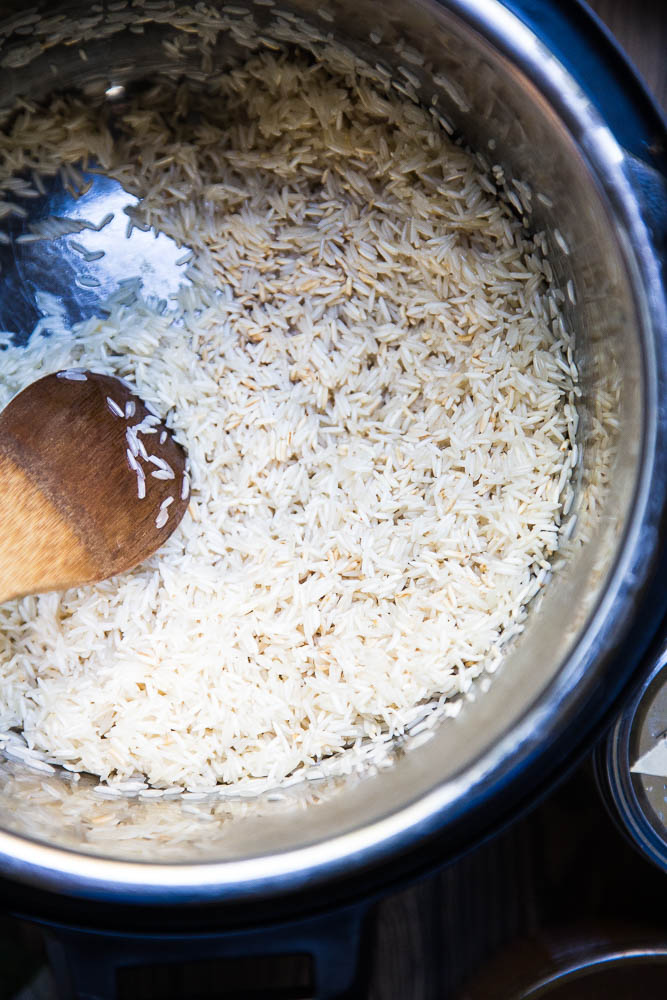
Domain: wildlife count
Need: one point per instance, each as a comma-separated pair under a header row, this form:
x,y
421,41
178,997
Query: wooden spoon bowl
x,y
92,483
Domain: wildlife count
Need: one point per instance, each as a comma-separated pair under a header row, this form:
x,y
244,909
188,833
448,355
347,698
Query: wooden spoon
x,y
91,483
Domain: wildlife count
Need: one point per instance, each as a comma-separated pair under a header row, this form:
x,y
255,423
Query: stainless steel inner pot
x,y
495,83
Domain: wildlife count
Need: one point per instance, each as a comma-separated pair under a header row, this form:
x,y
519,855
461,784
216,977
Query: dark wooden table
x,y
641,28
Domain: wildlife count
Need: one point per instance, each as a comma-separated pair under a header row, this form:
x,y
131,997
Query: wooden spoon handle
x,y
38,548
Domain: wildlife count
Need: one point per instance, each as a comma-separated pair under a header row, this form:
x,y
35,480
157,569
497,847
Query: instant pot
x,y
541,90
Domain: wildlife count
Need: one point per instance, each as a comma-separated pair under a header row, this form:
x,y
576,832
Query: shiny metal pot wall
x,y
494,80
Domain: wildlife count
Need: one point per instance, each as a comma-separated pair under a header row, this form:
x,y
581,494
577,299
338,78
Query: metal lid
x,y
631,766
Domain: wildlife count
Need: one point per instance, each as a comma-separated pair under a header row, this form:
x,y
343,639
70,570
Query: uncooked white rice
x,y
560,240
371,392
132,442
114,407
141,447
